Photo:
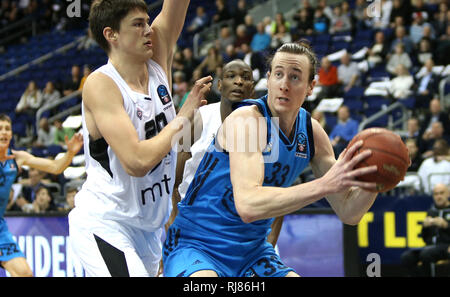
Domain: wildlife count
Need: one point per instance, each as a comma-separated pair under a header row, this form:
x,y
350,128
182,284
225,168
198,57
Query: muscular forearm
x,y
350,206
263,202
149,153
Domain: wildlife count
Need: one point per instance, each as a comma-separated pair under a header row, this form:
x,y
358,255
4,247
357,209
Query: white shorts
x,y
108,248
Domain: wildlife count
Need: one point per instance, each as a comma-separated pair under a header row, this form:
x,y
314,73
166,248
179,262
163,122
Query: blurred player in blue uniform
x,y
11,258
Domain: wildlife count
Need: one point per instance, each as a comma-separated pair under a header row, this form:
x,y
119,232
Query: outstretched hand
x,y
343,174
196,97
74,144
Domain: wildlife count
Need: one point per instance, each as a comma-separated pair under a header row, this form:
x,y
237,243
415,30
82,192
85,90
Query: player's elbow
x,y
351,220
135,168
245,211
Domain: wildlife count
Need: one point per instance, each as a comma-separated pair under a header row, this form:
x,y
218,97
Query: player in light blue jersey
x,y
11,258
245,179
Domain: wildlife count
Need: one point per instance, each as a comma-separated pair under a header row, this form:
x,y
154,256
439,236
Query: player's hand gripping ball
x,y
389,153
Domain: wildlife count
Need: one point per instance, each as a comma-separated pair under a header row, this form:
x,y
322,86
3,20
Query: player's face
x,y
5,134
288,83
237,82
135,35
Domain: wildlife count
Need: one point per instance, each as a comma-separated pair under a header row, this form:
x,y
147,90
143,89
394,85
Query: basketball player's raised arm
x,y
351,203
51,166
105,113
167,28
254,201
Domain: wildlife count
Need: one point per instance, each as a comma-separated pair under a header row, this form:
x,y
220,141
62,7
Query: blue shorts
x,y
182,258
8,247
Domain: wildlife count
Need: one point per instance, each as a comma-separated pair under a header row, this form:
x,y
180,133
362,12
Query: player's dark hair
x,y
301,47
6,118
109,13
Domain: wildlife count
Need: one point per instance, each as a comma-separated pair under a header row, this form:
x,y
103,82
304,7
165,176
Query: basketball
x,y
389,153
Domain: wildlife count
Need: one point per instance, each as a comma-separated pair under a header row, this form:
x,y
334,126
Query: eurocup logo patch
x,y
163,94
139,113
302,146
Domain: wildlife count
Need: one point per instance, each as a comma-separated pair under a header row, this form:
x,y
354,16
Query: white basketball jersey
x,y
109,192
212,120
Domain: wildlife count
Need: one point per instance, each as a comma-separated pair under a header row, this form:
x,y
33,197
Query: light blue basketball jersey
x,y
8,174
208,211
8,247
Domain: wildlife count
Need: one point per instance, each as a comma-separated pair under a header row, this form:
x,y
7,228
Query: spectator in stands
x,y
278,22
261,40
87,70
339,21
210,62
427,85
70,199
440,19
417,28
328,80
435,233
180,87
403,9
178,61
320,117
241,37
412,129
403,38
321,22
305,23
435,169
377,53
50,94
43,203
31,100
419,8
443,46
430,137
240,13
199,22
267,22
398,57
360,14
250,26
348,73
45,134
435,114
280,37
36,179
414,154
400,87
189,63
345,129
73,83
226,38
222,13
304,5
61,133
230,54
424,52
326,9
254,60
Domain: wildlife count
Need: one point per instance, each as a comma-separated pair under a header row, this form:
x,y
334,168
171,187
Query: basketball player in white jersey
x,y
128,124
235,85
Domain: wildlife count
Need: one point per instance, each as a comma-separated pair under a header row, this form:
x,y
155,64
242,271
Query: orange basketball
x,y
389,153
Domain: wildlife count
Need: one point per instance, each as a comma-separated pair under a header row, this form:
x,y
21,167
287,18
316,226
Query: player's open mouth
x,y
148,43
283,99
237,92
